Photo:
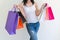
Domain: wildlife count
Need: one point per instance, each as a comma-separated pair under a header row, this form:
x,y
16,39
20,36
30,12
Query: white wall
x,y
49,30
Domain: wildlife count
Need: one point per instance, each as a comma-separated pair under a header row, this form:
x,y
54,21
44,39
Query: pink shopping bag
x,y
49,13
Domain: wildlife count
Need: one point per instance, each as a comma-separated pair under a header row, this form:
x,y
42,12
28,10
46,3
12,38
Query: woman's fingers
x,y
44,5
16,6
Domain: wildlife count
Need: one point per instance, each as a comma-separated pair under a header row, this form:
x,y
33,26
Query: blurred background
x,y
49,30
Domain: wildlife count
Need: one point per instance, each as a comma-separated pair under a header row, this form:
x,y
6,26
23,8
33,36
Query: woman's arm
x,y
38,11
20,7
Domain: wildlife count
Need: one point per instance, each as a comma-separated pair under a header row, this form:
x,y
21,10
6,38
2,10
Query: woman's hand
x,y
38,11
16,6
20,7
44,5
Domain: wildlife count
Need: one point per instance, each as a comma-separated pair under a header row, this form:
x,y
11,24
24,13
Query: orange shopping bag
x,y
20,23
47,15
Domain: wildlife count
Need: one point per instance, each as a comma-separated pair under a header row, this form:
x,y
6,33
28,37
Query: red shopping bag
x,y
20,23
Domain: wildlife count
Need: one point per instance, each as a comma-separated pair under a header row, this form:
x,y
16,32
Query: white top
x,y
30,14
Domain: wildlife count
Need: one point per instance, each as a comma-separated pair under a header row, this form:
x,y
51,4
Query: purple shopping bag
x,y
11,23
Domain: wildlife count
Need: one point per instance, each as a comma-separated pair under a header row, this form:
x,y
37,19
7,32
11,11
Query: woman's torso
x,y
30,14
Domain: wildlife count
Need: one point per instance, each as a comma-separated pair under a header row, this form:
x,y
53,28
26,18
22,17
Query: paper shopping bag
x,y
20,23
11,22
23,19
49,14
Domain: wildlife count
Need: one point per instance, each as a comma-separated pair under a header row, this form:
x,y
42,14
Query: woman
x,y
30,11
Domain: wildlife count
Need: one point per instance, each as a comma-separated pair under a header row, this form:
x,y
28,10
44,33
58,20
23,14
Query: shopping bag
x,y
49,13
11,22
23,19
20,23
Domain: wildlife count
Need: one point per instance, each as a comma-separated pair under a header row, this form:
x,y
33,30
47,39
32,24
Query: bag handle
x,y
14,8
42,11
